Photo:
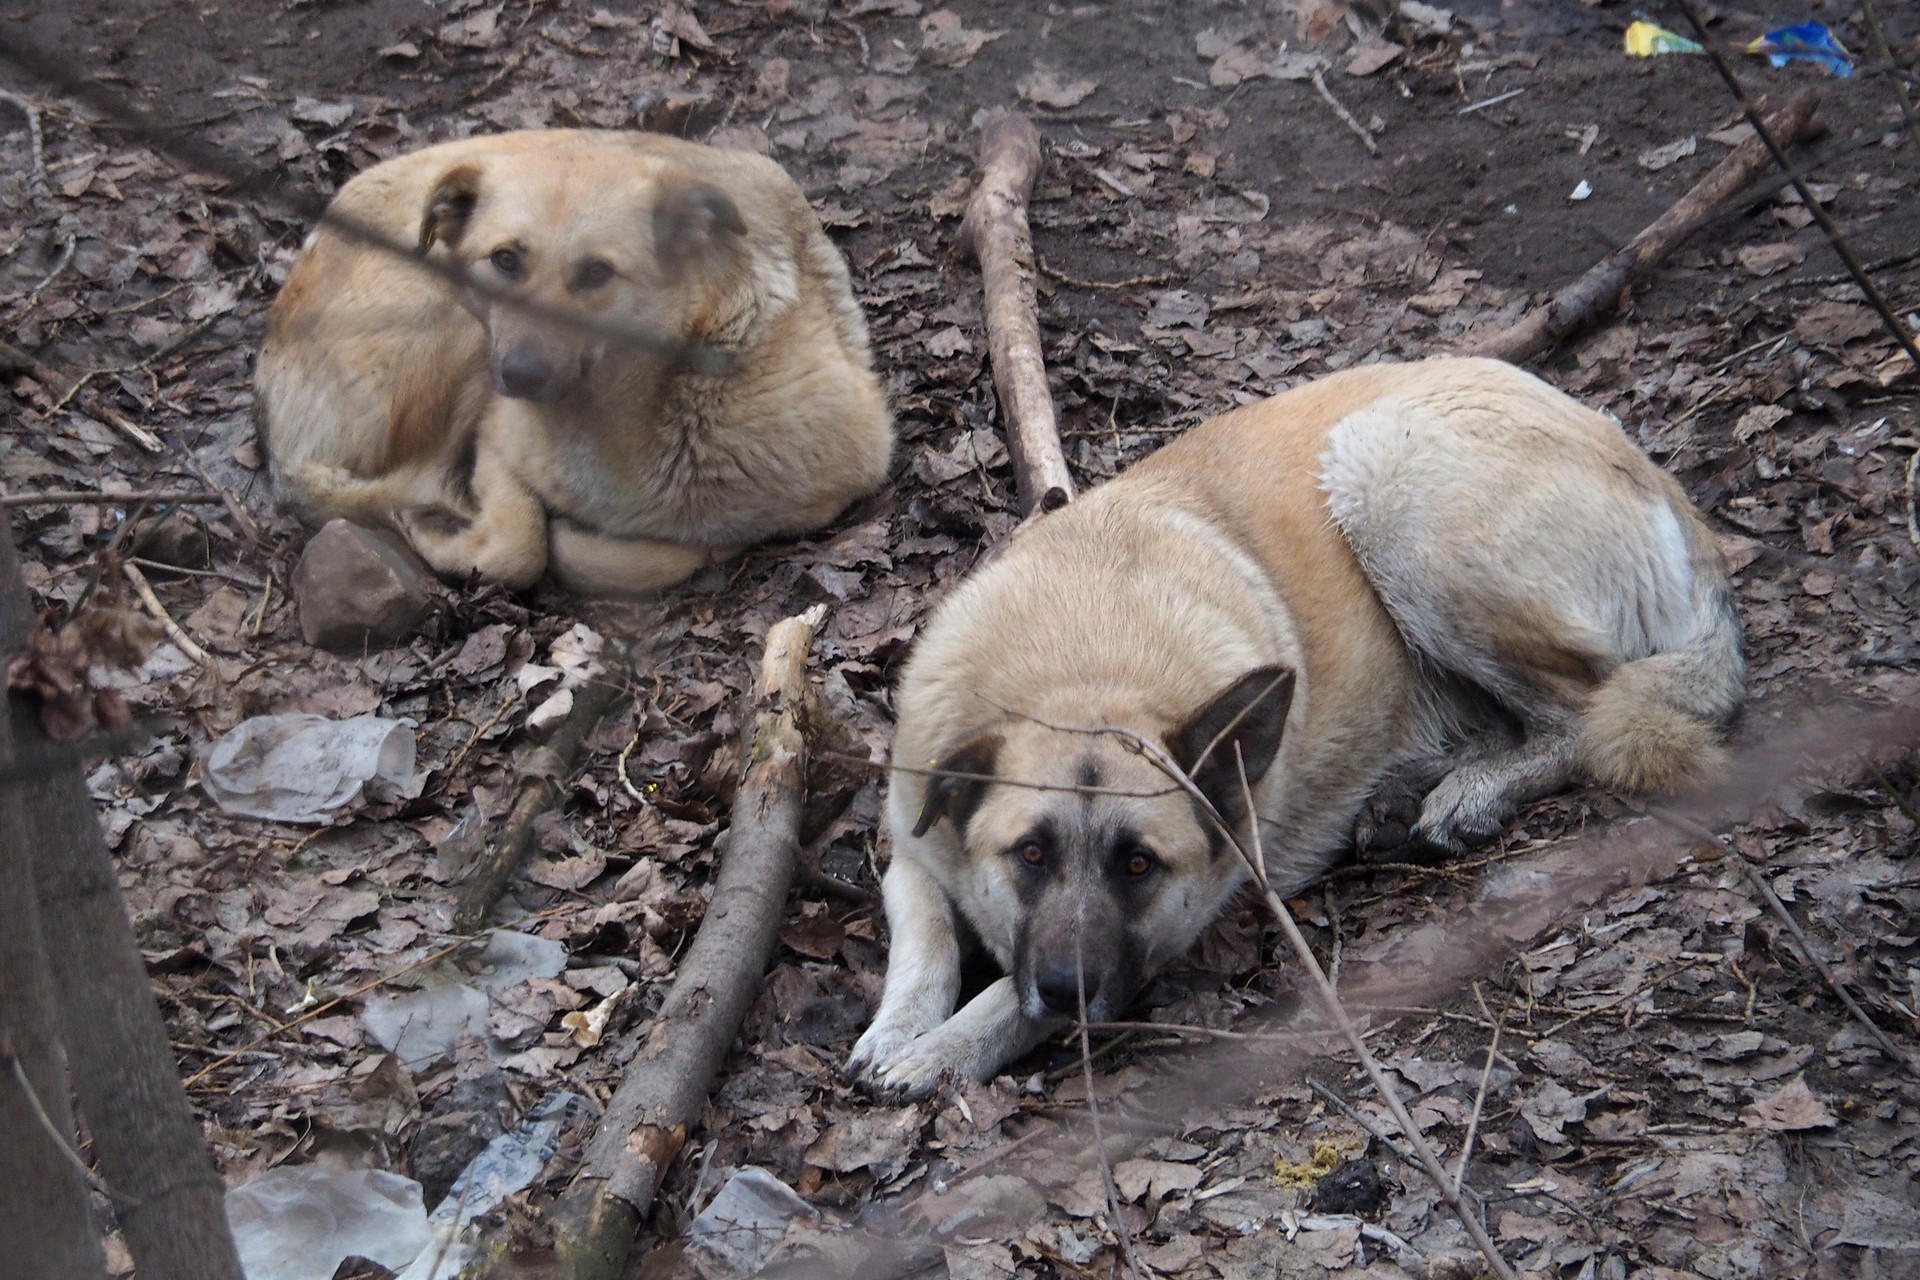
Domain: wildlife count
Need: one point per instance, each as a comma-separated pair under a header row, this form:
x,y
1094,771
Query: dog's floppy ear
x,y
449,205
956,798
695,224
1251,713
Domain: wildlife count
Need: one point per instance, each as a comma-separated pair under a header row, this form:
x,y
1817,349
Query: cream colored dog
x,y
574,432
1444,583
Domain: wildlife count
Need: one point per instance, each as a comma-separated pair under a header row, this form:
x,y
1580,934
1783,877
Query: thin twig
x,y
32,113
1680,822
1213,1033
181,640
1120,1231
32,295
1346,116
1480,1095
1839,242
1581,1015
1429,1159
102,498
1884,52
345,996
882,766
1913,518
621,768
1077,282
1378,1134
60,1141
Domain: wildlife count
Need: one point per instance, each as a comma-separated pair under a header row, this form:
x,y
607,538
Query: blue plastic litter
x,y
1805,42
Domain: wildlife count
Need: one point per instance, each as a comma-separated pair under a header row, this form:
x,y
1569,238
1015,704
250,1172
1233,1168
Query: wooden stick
x,y
14,360
102,498
175,632
994,234
1595,293
1777,150
545,773
667,1080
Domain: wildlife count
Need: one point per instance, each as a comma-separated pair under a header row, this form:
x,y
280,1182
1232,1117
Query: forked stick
x,y
1594,294
994,234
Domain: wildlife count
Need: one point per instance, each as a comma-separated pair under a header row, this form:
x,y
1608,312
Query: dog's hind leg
x,y
603,565
1521,544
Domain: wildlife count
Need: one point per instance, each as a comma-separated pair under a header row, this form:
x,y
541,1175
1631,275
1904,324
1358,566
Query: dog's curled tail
x,y
1662,720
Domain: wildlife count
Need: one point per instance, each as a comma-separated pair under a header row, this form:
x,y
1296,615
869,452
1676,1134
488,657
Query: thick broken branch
x,y
1595,293
995,234
547,767
665,1086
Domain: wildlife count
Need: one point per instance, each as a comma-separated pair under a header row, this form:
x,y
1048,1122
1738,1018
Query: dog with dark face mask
x,y
1407,596
538,409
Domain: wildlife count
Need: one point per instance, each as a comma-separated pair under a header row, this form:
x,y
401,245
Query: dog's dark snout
x,y
1058,986
525,374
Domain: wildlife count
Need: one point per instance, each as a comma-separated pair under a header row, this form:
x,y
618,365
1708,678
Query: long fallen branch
x,y
665,1084
1595,293
994,234
546,768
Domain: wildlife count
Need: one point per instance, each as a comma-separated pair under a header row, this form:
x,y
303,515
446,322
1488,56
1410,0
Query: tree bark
x,y
995,234
1595,293
47,1226
146,1143
665,1085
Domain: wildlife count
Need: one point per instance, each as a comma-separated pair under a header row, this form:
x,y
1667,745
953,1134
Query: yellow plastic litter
x,y
1644,40
1326,1157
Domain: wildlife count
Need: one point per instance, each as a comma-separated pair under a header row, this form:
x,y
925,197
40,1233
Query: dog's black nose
x,y
524,374
1058,986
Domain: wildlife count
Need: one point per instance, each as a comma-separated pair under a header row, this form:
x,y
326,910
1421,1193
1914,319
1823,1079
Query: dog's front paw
x,y
906,1068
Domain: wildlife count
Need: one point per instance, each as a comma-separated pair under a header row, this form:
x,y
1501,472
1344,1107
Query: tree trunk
x,y
46,1228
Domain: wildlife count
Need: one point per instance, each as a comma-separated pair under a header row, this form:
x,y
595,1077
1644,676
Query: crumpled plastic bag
x,y
307,769
298,1223
509,1164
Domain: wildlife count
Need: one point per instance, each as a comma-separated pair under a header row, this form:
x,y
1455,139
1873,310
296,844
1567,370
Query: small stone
x,y
1353,1187
174,538
360,589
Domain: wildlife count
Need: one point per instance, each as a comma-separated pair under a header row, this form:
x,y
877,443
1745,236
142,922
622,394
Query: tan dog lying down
x,y
393,397
1427,591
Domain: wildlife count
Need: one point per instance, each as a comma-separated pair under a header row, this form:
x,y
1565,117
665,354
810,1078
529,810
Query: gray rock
x,y
361,589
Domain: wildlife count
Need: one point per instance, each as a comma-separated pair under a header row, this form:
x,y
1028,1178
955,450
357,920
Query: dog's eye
x,y
1031,853
592,275
505,261
1139,862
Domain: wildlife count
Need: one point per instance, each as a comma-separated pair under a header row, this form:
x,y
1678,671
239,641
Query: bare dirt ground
x,y
1673,1090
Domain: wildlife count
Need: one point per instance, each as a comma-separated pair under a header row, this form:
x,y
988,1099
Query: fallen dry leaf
x,y
1789,1108
946,43
1046,86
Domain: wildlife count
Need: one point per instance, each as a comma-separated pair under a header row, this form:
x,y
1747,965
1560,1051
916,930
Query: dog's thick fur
x,y
395,397
1443,579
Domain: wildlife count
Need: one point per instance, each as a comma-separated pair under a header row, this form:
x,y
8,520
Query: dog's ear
x,y
955,798
1249,713
449,205
695,224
